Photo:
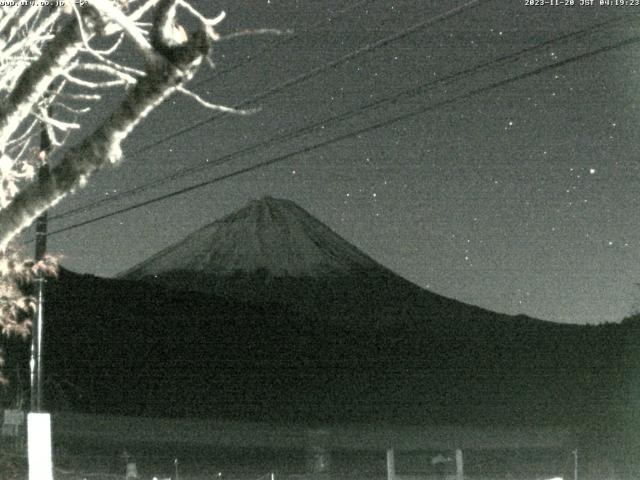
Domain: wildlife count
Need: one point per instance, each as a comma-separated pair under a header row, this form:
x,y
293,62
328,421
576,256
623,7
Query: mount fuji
x,y
268,314
272,250
271,235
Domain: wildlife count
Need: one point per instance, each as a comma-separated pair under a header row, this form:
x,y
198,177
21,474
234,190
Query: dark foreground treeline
x,y
323,351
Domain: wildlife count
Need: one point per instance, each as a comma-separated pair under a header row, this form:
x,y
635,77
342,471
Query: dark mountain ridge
x,y
155,351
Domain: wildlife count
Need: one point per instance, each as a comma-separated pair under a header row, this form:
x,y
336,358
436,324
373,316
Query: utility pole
x,y
41,249
575,464
38,422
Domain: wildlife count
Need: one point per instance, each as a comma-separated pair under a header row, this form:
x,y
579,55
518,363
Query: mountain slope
x,y
269,234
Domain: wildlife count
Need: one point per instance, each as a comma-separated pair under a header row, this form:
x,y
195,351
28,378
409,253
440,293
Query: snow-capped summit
x,y
269,235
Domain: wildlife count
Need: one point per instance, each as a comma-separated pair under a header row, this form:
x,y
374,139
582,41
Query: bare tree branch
x,y
174,65
35,80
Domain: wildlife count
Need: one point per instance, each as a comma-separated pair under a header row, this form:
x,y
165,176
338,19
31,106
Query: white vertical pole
x,y
391,465
39,446
459,465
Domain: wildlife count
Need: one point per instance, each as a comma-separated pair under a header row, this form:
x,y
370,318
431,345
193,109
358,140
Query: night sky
x,y
520,196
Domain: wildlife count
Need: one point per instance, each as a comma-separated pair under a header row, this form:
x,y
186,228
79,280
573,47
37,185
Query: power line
x,y
357,132
322,68
305,76
408,93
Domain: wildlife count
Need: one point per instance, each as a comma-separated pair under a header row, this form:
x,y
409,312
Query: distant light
x,y
592,171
